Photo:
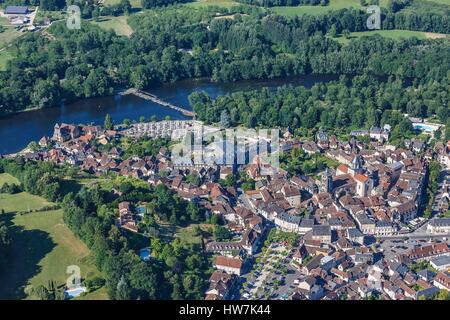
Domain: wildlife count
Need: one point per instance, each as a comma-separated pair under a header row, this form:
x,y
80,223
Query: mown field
x,y
317,10
9,32
43,247
118,24
205,3
134,3
8,35
447,2
5,56
7,178
393,34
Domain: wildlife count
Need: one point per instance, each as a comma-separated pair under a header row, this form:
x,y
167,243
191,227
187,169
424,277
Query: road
x,y
444,177
418,236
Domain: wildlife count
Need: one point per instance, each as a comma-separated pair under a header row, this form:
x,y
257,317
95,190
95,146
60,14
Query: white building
x,y
441,263
439,225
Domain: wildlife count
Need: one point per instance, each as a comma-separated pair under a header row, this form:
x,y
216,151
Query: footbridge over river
x,y
151,97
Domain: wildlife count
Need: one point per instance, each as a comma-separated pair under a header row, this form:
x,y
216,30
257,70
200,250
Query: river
x,y
17,130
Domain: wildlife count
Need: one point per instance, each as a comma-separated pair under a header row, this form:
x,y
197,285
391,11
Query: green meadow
x,y
118,24
393,34
42,247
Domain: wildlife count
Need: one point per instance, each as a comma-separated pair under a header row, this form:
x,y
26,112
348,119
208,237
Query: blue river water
x,y
17,130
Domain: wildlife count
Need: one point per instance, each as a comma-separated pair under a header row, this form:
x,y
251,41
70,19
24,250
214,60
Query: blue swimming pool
x,y
75,292
425,127
144,254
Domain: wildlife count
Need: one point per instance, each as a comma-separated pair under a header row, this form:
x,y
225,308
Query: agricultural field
x,y
317,10
118,24
393,34
8,35
446,2
5,56
134,3
7,178
205,3
44,247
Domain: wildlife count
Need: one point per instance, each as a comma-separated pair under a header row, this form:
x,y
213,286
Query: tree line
x,y
5,244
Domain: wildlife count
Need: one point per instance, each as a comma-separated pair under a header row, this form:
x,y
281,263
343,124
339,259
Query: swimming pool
x,y
425,127
144,254
74,292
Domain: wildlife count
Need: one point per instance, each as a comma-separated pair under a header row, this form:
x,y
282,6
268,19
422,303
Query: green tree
x,y
333,32
123,291
108,124
221,233
224,119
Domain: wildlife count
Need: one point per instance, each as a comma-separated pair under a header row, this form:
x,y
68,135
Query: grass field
x,y
43,247
8,35
134,3
5,56
21,202
118,24
317,10
393,34
205,3
447,2
4,177
187,236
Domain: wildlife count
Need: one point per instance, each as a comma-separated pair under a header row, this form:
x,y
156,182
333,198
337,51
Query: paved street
x,y
443,177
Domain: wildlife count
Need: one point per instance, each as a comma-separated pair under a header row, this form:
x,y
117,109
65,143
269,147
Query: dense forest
x,y
178,42
178,270
351,103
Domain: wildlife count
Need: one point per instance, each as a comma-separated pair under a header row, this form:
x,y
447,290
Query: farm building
x,y
16,10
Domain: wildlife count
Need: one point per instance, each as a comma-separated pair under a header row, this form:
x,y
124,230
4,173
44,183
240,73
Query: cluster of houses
x,y
347,269
443,154
375,191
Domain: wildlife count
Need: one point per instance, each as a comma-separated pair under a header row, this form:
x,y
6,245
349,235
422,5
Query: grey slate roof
x,y
16,10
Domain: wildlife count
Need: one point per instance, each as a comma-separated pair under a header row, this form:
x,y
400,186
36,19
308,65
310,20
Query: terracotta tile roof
x,y
427,251
443,279
228,262
343,168
361,178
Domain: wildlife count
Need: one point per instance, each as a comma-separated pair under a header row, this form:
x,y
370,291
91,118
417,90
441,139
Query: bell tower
x,y
327,181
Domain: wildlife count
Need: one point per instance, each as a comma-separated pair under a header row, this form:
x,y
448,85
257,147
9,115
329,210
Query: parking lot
x,y
272,276
394,247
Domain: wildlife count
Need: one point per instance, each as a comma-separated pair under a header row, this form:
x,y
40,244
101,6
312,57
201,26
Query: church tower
x,y
356,165
327,181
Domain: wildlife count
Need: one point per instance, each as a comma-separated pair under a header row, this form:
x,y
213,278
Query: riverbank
x,y
295,80
19,129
